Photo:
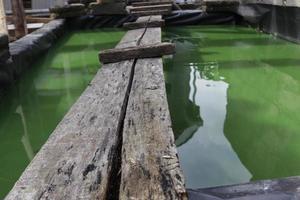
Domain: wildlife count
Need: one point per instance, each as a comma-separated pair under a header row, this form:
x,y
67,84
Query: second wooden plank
x,y
145,51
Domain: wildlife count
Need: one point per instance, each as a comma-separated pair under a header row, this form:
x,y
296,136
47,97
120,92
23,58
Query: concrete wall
x,y
6,75
38,4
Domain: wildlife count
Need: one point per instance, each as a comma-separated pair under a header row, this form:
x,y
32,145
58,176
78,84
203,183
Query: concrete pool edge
x,y
26,50
273,189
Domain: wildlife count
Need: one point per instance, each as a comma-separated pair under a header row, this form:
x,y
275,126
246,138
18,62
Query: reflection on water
x,y
244,88
34,106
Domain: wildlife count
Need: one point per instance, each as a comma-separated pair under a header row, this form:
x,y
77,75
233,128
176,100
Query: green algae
x,y
234,99
31,109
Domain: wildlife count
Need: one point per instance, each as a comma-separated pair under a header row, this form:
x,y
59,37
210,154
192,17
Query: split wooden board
x,y
150,166
124,107
76,162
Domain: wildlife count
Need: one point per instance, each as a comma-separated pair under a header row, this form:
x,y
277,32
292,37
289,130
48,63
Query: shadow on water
x,y
33,107
185,114
246,92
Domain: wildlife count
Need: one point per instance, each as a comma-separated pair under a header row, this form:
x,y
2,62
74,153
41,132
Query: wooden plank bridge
x,y
116,142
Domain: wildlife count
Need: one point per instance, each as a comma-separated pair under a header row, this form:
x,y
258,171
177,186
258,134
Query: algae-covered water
x,y
32,108
234,98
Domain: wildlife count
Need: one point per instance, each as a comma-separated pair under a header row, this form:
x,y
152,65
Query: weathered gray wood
x,y
76,162
151,12
67,8
150,7
3,24
148,3
147,21
145,51
150,166
19,18
149,18
137,25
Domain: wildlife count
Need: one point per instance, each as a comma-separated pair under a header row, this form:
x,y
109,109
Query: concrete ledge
x,y
3,41
277,189
25,50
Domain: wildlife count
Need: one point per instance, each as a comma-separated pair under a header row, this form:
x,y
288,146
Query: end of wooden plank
x,y
137,25
145,51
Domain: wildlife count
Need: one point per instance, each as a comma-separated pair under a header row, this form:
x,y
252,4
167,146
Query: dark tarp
x,y
281,21
277,189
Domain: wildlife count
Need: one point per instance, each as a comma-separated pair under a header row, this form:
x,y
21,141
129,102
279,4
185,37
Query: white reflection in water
x,y
207,158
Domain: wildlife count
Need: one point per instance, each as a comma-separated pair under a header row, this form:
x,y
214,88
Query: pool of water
x,y
234,98
39,100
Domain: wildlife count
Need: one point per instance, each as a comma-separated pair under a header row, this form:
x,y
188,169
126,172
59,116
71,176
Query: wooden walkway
x,y
116,142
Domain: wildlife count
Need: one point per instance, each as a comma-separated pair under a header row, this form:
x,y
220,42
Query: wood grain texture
x,y
3,24
146,21
19,18
76,161
137,25
150,166
145,51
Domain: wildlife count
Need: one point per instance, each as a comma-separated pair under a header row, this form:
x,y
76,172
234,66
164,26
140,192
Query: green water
x,y
35,105
234,97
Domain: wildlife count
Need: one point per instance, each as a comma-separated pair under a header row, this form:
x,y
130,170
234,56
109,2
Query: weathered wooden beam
x,y
19,18
78,159
137,25
151,12
148,3
145,51
148,21
39,12
32,19
150,166
150,7
67,8
3,26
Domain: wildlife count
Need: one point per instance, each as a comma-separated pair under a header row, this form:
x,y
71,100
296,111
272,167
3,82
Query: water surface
x,y
35,105
234,100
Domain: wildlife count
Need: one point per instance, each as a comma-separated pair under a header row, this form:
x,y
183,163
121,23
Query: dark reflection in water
x,y
246,88
35,105
185,113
